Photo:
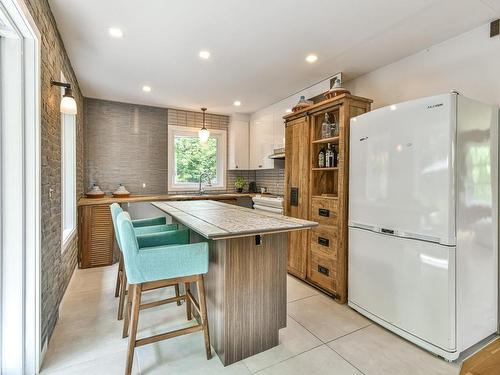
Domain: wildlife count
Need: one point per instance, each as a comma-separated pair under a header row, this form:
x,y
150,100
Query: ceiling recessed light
x,y
393,107
288,110
311,58
204,54
237,103
115,32
146,88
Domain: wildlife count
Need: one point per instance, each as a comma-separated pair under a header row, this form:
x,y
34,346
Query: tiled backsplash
x,y
272,179
127,143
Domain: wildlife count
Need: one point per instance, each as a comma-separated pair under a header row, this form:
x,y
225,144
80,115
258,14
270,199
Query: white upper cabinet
x,y
280,110
261,140
267,129
238,145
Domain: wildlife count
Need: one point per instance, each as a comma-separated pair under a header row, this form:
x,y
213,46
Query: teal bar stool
x,y
141,227
162,265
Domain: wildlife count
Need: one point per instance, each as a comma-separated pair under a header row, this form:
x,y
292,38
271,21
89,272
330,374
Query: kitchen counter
x,y
84,201
216,220
246,280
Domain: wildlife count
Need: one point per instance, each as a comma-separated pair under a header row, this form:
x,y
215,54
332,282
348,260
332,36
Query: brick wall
x,y
57,268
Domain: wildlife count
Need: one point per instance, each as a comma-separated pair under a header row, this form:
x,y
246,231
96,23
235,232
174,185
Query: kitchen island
x,y
246,281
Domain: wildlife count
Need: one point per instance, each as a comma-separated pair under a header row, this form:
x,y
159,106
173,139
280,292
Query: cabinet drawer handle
x,y
323,241
325,271
294,196
324,212
260,166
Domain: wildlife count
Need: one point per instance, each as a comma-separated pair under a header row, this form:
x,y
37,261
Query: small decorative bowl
x,y
121,192
302,104
335,92
95,192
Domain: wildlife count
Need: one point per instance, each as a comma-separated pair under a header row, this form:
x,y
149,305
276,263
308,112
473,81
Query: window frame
x,y
67,234
221,136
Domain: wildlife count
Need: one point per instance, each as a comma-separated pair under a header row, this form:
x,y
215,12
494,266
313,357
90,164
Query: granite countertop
x,y
216,220
84,201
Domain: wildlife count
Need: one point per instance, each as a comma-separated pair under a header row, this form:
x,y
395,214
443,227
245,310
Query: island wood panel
x,y
297,176
246,294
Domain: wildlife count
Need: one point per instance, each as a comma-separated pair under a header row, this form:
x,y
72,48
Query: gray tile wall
x,y
272,179
125,143
56,267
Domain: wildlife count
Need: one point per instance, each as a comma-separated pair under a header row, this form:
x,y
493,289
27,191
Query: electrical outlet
x,y
494,28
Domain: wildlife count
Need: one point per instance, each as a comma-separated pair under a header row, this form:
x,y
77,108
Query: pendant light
x,y
203,133
68,103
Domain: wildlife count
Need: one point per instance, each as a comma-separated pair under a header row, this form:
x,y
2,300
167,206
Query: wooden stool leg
x,y
127,313
118,276
203,312
189,314
177,294
136,304
123,292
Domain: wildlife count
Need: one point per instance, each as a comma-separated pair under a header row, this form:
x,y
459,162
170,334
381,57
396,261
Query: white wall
x,y
468,63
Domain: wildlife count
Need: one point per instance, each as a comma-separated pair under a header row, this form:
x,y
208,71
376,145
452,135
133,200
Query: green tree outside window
x,y
193,157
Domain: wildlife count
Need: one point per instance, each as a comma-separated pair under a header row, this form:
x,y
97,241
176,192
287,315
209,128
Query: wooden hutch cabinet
x,y
319,256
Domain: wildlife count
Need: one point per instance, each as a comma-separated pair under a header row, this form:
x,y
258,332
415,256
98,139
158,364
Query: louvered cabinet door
x,y
96,236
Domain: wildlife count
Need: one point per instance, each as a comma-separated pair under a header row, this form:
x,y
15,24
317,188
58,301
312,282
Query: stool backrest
x,y
115,211
129,245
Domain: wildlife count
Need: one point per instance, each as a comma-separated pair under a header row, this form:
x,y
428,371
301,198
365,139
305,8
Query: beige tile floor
x,y
321,337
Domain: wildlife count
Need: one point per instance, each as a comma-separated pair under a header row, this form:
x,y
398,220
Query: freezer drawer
x,y
407,283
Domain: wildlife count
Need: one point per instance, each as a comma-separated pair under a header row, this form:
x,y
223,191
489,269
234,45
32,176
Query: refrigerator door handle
x,y
410,235
371,228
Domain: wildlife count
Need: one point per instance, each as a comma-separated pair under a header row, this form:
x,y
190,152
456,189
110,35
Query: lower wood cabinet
x,y
322,270
95,236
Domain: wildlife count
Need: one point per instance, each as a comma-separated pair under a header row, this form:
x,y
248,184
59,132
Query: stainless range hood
x,y
278,153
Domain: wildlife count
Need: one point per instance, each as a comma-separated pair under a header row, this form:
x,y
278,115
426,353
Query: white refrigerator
x,y
423,190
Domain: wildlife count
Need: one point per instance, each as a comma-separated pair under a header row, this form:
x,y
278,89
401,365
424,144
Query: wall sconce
x,y
68,103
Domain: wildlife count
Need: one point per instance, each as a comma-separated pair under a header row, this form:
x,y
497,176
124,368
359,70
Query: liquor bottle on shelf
x,y
334,128
321,158
335,156
329,157
326,127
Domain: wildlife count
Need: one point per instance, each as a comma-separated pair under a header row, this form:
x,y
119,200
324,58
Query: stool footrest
x,y
152,285
168,335
161,302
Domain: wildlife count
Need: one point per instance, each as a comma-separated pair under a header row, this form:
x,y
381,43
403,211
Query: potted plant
x,y
239,183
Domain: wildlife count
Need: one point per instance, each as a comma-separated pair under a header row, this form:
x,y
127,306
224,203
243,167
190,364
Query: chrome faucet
x,y
207,176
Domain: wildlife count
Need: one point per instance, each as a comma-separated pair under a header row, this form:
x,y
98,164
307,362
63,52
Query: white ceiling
x,y
257,47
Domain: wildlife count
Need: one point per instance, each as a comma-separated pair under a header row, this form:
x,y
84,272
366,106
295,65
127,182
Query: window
x,y
188,158
68,175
